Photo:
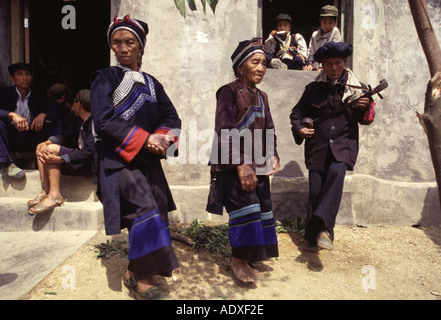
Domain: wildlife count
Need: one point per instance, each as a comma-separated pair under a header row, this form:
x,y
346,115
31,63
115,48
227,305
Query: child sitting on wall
x,y
327,32
283,49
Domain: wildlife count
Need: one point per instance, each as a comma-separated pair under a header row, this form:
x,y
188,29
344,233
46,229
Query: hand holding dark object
x,y
361,103
158,143
306,133
247,177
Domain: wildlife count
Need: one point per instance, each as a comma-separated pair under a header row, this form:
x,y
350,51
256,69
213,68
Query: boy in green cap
x,y
327,32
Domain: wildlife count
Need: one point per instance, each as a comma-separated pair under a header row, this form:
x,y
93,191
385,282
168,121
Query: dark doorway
x,y
66,55
305,15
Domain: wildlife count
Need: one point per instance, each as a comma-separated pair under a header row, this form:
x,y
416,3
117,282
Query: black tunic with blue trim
x,y
126,107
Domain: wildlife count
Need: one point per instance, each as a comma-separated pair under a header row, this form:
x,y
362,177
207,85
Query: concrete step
x,y
82,216
72,188
81,210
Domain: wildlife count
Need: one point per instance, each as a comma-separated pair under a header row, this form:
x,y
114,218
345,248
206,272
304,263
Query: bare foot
x,y
243,271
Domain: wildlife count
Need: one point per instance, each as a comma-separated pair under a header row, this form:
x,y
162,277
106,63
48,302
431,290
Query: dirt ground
x,y
392,263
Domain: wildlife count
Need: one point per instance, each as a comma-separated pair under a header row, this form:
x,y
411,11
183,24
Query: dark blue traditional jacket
x,y
127,106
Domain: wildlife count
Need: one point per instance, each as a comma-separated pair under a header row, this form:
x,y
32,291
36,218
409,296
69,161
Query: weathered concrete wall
x,y
387,46
191,58
393,181
394,148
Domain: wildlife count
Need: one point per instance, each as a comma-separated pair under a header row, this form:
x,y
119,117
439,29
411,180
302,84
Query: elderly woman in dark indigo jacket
x,y
242,182
134,121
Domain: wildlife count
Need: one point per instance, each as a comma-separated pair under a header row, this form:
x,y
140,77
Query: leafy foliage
x,y
291,225
180,4
213,238
106,250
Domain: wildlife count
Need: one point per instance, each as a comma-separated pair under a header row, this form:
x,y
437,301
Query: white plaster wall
x,y
386,45
191,58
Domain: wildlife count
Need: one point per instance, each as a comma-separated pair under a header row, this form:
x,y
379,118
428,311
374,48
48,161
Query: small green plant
x,y
213,238
291,225
180,4
108,249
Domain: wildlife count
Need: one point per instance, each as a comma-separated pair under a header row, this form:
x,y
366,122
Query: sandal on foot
x,y
41,208
37,199
129,283
153,293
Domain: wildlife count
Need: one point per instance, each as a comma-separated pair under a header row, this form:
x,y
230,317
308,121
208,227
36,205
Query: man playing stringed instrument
x,y
331,147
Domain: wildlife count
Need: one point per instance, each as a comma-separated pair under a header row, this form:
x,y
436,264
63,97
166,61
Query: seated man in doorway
x,y
26,118
54,158
283,49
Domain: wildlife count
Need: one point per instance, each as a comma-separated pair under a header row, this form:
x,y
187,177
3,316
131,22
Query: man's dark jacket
x,y
37,104
338,135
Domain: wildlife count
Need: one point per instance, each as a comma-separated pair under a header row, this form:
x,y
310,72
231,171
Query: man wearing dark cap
x,y
26,118
331,147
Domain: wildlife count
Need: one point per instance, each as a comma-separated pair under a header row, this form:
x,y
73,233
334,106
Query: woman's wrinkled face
x,y
254,69
127,48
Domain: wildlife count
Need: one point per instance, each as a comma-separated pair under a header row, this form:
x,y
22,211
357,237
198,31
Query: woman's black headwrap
x,y
138,27
244,50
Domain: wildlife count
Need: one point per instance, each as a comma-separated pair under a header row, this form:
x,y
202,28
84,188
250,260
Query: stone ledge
x,y
366,200
71,216
72,188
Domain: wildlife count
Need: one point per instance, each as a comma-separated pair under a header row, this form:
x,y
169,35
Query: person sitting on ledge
x,y
53,158
26,118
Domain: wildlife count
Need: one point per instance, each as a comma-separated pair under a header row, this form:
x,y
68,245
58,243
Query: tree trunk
x,y
431,122
431,119
426,35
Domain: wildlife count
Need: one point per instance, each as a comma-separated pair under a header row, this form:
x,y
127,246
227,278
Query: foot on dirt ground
x,y
243,271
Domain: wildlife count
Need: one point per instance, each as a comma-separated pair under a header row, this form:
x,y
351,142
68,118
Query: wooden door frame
x,y
20,42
